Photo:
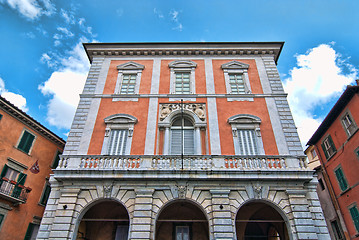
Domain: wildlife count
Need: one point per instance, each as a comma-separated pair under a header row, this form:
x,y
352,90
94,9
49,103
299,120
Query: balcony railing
x,y
13,191
171,162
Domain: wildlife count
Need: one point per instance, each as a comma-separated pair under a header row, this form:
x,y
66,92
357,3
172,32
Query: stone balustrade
x,y
172,162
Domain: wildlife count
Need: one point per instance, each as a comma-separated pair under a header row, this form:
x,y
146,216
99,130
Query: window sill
x,y
22,151
331,156
350,136
345,191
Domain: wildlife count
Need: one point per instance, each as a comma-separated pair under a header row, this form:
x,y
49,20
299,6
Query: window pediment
x,y
234,65
120,119
182,64
130,66
244,119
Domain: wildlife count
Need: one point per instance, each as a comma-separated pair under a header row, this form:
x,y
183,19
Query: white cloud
x,y
65,31
320,75
174,17
158,13
64,99
32,9
16,99
68,16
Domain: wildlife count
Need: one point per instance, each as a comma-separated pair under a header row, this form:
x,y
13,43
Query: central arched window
x,y
182,137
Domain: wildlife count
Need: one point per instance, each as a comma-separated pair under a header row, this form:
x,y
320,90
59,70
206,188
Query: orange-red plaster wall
x,y
226,109
43,150
347,159
138,109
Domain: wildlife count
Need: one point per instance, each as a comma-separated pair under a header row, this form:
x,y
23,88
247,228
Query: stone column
x,y
222,216
198,149
142,215
166,141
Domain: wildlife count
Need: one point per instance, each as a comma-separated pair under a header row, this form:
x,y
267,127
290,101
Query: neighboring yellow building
x,y
313,159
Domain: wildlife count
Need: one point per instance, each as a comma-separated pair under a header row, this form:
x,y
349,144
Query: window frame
x,y
355,221
182,66
20,140
344,180
184,224
328,141
183,136
246,122
129,68
236,68
352,128
336,228
45,194
118,122
56,159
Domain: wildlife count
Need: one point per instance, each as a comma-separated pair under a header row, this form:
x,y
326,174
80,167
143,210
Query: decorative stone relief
x,y
107,190
257,190
197,108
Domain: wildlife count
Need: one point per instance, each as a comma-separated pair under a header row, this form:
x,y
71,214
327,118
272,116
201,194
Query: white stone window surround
x,y
132,68
119,121
246,122
238,68
181,66
198,124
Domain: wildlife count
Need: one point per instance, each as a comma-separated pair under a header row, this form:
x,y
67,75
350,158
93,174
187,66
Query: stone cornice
x,y
184,49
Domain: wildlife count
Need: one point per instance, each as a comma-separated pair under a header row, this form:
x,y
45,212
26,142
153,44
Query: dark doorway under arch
x,y
182,220
260,221
106,220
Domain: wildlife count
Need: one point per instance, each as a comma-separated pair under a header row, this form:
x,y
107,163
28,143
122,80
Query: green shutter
x,y
341,179
1,218
26,141
29,231
325,151
46,194
3,172
332,143
355,216
56,161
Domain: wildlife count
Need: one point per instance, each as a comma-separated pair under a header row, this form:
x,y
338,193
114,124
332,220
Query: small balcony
x,y
13,192
172,166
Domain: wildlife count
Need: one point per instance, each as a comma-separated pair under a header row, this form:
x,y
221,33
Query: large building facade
x,y
183,141
335,145
28,152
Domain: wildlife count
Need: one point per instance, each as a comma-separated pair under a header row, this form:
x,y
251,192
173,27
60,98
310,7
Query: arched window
x,y
182,137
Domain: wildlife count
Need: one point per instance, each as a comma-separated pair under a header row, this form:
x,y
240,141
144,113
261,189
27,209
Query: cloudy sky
x,y
43,65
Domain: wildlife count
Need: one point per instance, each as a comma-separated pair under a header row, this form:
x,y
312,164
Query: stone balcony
x,y
174,166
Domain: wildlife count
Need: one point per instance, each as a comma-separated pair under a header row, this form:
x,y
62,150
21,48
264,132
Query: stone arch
x,y
273,217
182,213
117,214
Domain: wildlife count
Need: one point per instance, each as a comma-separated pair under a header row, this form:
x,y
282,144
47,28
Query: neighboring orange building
x,y
336,142
190,141
24,142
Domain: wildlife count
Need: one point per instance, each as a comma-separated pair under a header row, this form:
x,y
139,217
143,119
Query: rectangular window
x,y
182,233
0,116
236,83
341,179
321,184
337,230
45,194
26,141
2,216
182,142
247,142
128,84
118,140
31,232
328,147
314,153
56,160
182,84
355,216
349,124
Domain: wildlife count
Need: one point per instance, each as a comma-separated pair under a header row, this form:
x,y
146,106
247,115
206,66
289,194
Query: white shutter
x,y
247,142
176,142
188,141
118,140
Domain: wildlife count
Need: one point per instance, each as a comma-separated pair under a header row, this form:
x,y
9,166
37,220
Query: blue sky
x,y
43,65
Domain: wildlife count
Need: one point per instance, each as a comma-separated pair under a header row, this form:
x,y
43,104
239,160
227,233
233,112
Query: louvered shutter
x,y
176,141
26,141
341,179
325,151
331,143
355,216
188,141
118,141
247,142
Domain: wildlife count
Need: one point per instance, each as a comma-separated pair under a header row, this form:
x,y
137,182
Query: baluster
x,y
265,163
282,163
82,163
